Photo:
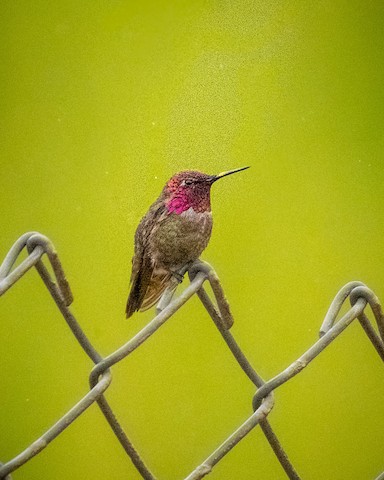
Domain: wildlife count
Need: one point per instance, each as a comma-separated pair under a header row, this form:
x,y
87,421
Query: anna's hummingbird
x,y
174,231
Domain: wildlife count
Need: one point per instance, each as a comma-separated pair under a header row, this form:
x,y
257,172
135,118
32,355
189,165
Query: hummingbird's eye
x,y
188,181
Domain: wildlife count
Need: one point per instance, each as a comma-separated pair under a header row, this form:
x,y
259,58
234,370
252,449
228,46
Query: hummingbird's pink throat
x,y
186,199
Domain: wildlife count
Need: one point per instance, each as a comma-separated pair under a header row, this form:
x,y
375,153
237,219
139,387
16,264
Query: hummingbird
x,y
173,233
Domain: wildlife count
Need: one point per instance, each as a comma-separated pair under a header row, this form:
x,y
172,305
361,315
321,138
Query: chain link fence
x,y
38,245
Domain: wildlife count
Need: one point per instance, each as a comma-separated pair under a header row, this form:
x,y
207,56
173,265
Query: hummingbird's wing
x,y
147,281
142,269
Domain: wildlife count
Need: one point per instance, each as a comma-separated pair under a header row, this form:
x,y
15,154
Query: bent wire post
x,y
100,378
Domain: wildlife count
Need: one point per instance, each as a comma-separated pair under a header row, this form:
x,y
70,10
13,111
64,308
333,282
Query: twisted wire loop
x,y
100,378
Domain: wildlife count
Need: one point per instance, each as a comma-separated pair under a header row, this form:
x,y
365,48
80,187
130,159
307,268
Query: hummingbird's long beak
x,y
224,174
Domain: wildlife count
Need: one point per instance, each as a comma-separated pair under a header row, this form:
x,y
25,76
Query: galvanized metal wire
x,y
199,272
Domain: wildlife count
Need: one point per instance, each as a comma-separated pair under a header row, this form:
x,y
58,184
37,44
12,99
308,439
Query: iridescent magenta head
x,y
191,189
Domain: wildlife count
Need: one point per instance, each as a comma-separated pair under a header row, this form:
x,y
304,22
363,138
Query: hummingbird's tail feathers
x,y
148,284
159,282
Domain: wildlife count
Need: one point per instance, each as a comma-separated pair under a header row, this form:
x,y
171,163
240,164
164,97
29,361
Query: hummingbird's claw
x,y
179,277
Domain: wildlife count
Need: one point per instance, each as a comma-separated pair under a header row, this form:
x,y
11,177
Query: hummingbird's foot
x,y
179,277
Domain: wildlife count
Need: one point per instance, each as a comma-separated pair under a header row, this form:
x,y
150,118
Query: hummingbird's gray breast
x,y
180,238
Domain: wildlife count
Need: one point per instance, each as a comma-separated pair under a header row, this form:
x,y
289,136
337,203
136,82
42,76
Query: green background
x,y
101,102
